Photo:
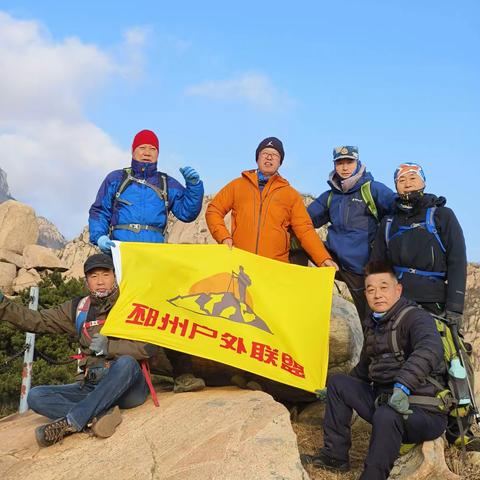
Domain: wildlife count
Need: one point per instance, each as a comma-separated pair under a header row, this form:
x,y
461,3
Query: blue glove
x,y
99,344
1,296
399,402
105,244
190,175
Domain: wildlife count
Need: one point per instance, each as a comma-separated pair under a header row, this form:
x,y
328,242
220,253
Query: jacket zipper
x,y
260,215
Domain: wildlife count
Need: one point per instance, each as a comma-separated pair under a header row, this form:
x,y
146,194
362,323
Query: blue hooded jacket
x,y
141,205
353,227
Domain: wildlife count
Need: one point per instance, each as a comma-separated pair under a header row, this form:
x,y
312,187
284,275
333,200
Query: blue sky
x,y
398,79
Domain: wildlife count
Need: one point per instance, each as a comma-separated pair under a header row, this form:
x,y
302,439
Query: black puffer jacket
x,y
421,343
419,249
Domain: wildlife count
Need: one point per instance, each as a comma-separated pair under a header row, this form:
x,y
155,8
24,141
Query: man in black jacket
x,y
425,243
387,385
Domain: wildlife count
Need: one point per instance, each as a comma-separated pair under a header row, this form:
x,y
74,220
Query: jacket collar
x,y
105,304
391,314
143,169
426,201
276,181
351,184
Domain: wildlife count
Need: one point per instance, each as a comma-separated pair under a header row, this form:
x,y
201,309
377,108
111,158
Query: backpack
x,y
295,246
161,191
458,398
159,363
430,227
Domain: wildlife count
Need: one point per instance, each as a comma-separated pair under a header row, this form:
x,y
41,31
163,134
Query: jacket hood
x,y
428,200
363,176
143,168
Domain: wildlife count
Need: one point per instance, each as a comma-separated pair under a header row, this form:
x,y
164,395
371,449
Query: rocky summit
x,y
216,434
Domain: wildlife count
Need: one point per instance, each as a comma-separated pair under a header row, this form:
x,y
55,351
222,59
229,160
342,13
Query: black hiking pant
x,y
356,286
389,429
181,362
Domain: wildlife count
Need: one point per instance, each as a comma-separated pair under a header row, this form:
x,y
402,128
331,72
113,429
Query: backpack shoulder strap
x,y
126,179
397,351
388,228
367,197
162,190
329,199
431,228
81,313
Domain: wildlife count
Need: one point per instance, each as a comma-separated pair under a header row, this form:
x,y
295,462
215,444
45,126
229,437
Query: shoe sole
x,y
39,437
309,460
105,427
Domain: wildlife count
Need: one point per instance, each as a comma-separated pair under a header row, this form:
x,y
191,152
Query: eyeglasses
x,y
276,156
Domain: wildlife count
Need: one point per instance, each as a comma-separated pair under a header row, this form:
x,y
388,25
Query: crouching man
x,y
401,366
111,375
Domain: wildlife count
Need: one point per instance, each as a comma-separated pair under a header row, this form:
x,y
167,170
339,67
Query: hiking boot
x,y
406,447
472,443
53,432
106,425
251,385
188,383
239,381
325,462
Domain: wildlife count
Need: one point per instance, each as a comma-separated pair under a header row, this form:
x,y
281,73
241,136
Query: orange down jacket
x,y
261,220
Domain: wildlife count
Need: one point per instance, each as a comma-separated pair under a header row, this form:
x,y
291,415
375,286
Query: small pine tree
x,y
53,291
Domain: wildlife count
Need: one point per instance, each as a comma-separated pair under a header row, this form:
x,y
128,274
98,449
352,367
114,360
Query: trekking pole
x,y
28,356
461,353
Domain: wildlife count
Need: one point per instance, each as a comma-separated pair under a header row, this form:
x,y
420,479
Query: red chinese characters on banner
x,y
145,316
174,324
264,353
231,342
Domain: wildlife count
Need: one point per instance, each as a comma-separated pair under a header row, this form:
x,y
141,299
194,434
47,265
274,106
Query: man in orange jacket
x,y
264,207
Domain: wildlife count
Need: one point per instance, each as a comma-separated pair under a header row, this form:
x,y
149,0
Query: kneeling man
x,y
387,383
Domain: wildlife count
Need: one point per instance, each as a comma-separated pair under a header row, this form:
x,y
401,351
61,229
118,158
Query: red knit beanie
x,y
145,137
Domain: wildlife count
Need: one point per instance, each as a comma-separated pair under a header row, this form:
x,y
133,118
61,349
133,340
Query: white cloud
x,y
40,77
254,88
57,167
54,157
132,52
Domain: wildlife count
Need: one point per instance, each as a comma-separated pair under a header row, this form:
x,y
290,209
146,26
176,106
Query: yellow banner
x,y
231,306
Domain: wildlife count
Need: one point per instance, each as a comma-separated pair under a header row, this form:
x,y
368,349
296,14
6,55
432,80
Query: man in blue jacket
x,y
354,205
132,205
